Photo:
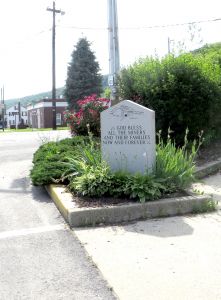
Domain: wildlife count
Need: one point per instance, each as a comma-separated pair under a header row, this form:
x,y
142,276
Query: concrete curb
x,y
77,217
87,216
208,169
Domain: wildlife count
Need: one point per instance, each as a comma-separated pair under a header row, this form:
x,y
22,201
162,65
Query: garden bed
x,y
127,211
81,202
96,195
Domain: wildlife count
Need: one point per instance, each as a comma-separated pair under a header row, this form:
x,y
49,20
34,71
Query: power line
x,y
119,28
143,27
172,25
82,28
22,42
34,35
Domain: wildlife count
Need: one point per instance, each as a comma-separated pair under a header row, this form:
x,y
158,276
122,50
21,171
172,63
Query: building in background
x,y
40,114
16,115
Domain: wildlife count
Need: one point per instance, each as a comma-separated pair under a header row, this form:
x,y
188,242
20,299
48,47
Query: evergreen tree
x,y
83,78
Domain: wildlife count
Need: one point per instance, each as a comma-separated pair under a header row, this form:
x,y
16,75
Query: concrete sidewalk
x,y
162,259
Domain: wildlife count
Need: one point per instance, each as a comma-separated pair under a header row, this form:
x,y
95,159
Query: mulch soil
x,y
111,201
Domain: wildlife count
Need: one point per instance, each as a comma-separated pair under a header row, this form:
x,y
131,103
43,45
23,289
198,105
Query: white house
x,y
15,115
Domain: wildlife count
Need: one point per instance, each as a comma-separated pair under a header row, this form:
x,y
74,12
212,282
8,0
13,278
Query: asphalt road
x,y
40,257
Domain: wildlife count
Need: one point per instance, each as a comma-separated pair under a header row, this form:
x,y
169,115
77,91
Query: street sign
x,y
110,80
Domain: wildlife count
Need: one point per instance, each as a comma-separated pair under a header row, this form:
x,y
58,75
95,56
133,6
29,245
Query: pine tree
x,y
83,78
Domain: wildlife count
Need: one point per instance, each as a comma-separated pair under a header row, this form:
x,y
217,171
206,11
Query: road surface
x,y
40,257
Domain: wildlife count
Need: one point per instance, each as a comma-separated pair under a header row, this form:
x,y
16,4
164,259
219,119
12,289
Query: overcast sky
x,y
25,47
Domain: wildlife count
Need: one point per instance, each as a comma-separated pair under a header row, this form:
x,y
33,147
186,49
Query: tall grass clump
x,y
176,164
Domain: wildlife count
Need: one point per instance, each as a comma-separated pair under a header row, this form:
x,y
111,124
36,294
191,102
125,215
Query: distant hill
x,y
211,52
34,98
208,48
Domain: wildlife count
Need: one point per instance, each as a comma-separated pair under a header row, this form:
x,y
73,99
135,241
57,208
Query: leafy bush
x,y
46,172
48,159
88,115
100,181
184,91
94,181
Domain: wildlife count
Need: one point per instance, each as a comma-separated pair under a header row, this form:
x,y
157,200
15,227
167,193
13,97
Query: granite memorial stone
x,y
128,137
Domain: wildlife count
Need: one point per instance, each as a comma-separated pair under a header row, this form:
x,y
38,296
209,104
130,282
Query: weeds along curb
x,y
77,217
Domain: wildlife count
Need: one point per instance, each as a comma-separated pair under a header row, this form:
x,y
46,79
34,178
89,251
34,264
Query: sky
x,y
144,29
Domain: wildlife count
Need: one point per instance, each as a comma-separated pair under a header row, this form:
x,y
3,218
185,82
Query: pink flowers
x,y
89,114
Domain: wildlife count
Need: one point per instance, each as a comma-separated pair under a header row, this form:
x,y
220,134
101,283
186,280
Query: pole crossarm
x,y
54,10
3,107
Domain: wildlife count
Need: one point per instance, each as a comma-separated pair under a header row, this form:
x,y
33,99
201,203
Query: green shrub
x,y
95,181
100,181
184,91
45,173
47,165
144,187
87,116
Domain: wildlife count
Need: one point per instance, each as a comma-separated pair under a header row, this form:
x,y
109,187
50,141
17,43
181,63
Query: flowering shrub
x,y
88,115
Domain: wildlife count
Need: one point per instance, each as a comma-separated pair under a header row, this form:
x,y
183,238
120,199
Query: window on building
x,y
58,119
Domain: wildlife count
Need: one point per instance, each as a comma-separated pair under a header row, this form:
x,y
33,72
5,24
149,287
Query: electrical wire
x,y
172,25
120,28
143,27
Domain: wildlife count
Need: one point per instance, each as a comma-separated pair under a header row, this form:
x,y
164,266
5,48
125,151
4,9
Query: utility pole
x,y
19,112
54,11
114,60
169,45
3,107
